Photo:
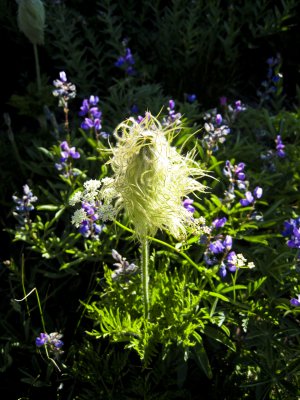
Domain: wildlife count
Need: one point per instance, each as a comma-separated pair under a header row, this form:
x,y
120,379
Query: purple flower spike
x,y
295,302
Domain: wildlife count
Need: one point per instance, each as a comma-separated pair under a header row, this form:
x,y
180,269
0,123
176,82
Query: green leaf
x,y
262,239
219,337
214,294
47,207
232,288
201,356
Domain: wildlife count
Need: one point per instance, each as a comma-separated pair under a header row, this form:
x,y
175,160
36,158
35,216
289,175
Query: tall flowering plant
x,y
150,180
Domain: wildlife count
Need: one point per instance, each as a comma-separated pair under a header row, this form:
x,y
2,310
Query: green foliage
x,y
234,335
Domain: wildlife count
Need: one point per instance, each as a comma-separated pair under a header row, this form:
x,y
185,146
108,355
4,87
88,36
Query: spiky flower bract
x,y
151,178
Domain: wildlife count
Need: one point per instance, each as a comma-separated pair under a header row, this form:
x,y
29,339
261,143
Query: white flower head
x,y
76,198
92,185
151,177
78,216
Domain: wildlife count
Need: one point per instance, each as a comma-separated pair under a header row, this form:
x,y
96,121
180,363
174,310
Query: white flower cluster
x,y
78,216
91,196
200,227
241,262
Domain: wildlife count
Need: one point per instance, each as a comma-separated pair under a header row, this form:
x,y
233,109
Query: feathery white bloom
x,y
151,178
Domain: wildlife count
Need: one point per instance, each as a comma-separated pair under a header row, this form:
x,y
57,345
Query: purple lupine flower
x,y
231,259
54,339
216,247
219,222
120,61
238,106
215,132
24,204
52,342
66,155
187,204
295,301
84,109
88,227
42,339
257,192
68,152
134,109
64,90
239,171
130,71
227,170
92,114
279,147
248,200
128,56
219,119
84,228
124,269
270,85
126,61
292,231
172,115
93,100
290,225
191,98
171,104
294,241
223,270
223,101
209,259
227,243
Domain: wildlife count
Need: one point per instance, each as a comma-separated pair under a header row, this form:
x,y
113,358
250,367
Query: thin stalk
x,y
145,275
181,253
37,67
39,304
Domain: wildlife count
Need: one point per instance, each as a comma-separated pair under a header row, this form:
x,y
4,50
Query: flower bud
x,y
31,20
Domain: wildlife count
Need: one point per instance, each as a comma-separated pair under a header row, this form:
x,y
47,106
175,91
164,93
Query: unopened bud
x,y
31,20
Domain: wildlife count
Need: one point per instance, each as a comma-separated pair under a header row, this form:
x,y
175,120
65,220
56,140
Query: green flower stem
x,y
145,275
190,261
37,67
